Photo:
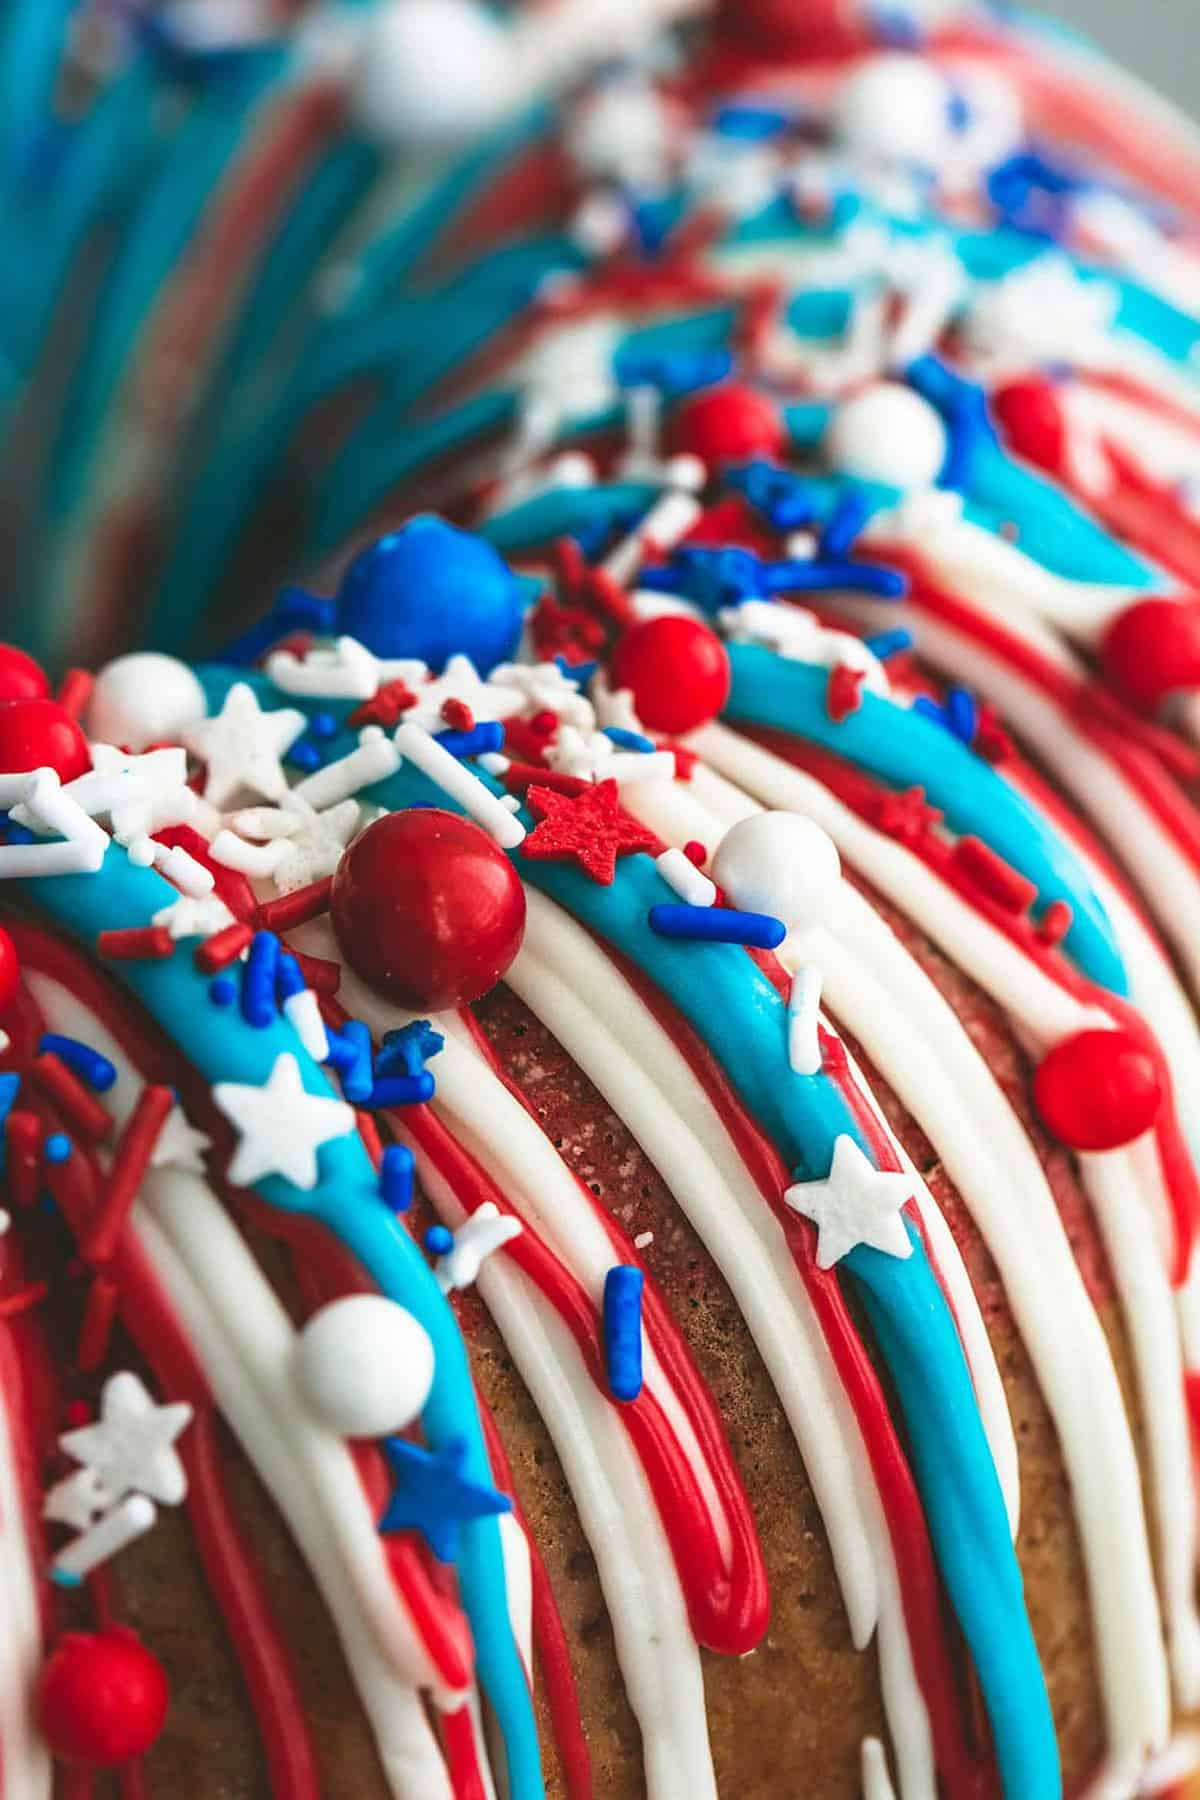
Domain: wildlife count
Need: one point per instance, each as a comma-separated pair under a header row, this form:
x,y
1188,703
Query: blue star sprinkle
x,y
433,1496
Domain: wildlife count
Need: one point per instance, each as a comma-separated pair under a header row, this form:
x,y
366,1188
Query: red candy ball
x,y
102,1698
1152,649
10,971
678,670
20,677
427,909
1029,414
727,424
38,734
1097,1090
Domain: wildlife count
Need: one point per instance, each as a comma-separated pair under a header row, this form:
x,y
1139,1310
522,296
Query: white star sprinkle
x,y
856,1204
486,1229
190,917
308,843
130,1445
280,1125
542,687
180,1145
242,746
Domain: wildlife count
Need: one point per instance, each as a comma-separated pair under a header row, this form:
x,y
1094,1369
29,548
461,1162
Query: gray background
x,y
1159,39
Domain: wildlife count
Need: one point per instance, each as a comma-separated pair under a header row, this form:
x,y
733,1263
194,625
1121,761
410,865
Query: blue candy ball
x,y
430,591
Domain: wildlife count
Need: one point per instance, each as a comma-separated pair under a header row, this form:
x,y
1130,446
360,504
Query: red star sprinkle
x,y
841,695
593,828
907,816
385,707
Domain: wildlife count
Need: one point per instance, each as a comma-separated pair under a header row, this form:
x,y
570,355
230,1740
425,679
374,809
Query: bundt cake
x,y
599,1097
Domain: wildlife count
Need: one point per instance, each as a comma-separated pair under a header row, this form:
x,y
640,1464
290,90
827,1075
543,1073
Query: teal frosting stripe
x,y
742,1018
347,1201
905,749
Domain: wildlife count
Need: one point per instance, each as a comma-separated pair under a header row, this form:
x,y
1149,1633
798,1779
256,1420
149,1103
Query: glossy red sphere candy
x,y
1097,1090
678,670
20,677
1152,649
102,1698
38,734
727,424
1029,414
427,909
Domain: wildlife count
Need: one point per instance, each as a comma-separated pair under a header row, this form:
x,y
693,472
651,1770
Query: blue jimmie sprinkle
x,y
258,980
846,521
484,740
438,1241
623,1331
889,643
17,834
81,1059
628,740
959,715
57,1147
718,925
295,610
752,124
10,1087
222,991
396,1178
288,978
786,500
350,1055
63,1578
305,755
580,672
673,371
323,726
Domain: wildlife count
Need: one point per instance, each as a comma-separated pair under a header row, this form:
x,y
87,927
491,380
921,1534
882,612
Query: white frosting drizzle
x,y
879,992
28,1774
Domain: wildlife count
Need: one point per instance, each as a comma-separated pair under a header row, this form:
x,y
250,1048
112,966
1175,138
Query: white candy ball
x,y
781,864
364,1365
144,699
432,72
887,433
895,107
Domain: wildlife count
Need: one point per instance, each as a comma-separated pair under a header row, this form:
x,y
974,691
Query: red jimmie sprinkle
x,y
458,715
518,776
75,692
996,878
23,1300
23,1139
322,976
78,1105
130,1162
146,943
222,948
98,1317
1055,922
842,696
695,852
296,908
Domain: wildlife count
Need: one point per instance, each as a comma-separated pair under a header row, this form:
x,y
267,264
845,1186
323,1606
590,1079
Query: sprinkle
x,y
643,1240
523,775
302,1011
486,1230
685,879
629,740
718,925
22,1160
222,991
396,1178
297,908
24,1300
145,943
1055,922
320,974
804,1001
438,1241
842,691
374,760
323,726
83,845
458,715
305,755
384,708
82,1111
623,1331
349,1052
979,863
81,1059
57,1147
222,948
696,852
75,691
131,1159
10,1087
484,740
127,1522
885,644
478,801
98,1319
258,981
